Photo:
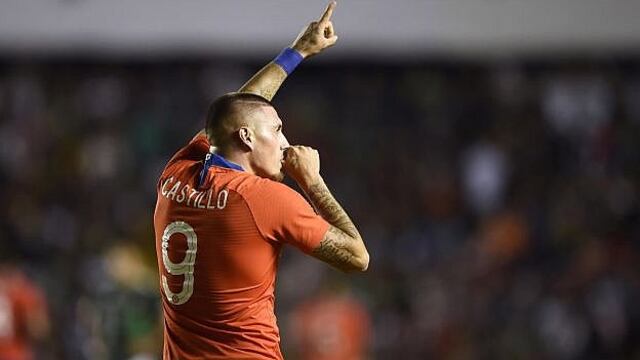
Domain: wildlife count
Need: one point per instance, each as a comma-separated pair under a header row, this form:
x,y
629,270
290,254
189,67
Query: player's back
x,y
218,270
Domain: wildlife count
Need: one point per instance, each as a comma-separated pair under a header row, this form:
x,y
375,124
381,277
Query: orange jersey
x,y
218,245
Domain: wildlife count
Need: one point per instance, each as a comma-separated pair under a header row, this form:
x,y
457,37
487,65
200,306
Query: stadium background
x,y
486,149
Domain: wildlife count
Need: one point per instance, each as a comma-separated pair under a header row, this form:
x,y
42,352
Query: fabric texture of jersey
x,y
218,246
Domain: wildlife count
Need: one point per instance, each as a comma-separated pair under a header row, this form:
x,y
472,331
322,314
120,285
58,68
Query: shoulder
x,y
269,198
282,214
254,188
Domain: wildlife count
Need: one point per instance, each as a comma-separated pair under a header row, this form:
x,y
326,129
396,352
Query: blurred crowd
x,y
498,200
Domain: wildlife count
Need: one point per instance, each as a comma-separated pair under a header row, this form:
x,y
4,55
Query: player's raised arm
x,y
313,39
342,245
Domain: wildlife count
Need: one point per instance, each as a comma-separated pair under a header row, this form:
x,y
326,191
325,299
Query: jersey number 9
x,y
185,267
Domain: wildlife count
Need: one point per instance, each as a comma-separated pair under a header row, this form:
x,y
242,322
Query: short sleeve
x,y
283,215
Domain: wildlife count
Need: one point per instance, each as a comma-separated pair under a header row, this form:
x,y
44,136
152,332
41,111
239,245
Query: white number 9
x,y
185,267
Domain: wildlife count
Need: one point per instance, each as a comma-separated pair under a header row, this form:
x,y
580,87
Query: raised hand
x,y
318,35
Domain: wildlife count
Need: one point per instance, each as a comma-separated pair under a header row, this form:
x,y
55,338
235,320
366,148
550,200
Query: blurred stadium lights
x,y
378,28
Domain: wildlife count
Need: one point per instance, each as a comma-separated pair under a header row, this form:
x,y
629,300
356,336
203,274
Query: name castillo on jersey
x,y
183,193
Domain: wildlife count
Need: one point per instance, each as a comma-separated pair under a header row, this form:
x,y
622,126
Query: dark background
x,y
498,199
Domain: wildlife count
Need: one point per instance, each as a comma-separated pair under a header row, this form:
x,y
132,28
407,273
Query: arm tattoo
x,y
331,251
330,209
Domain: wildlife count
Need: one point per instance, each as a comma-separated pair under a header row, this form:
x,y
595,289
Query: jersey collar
x,y
213,159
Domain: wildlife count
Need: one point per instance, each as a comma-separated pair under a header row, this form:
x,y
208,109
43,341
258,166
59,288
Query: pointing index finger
x,y
327,13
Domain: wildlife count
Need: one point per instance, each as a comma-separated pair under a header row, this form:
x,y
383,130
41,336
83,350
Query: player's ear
x,y
246,137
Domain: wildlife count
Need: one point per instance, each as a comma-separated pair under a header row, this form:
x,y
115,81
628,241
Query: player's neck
x,y
238,158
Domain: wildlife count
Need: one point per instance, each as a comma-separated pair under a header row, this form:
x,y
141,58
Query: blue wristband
x,y
288,59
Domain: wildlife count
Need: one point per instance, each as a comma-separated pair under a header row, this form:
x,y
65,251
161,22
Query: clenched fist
x,y
302,164
317,36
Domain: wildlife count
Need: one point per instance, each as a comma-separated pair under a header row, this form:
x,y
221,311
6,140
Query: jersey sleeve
x,y
283,215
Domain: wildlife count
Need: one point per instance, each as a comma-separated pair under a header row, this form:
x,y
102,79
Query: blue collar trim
x,y
216,160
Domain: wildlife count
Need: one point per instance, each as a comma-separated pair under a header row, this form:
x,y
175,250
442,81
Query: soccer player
x,y
222,217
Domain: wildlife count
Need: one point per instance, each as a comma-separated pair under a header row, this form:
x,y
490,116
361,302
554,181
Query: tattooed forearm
x,y
265,82
331,251
330,209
